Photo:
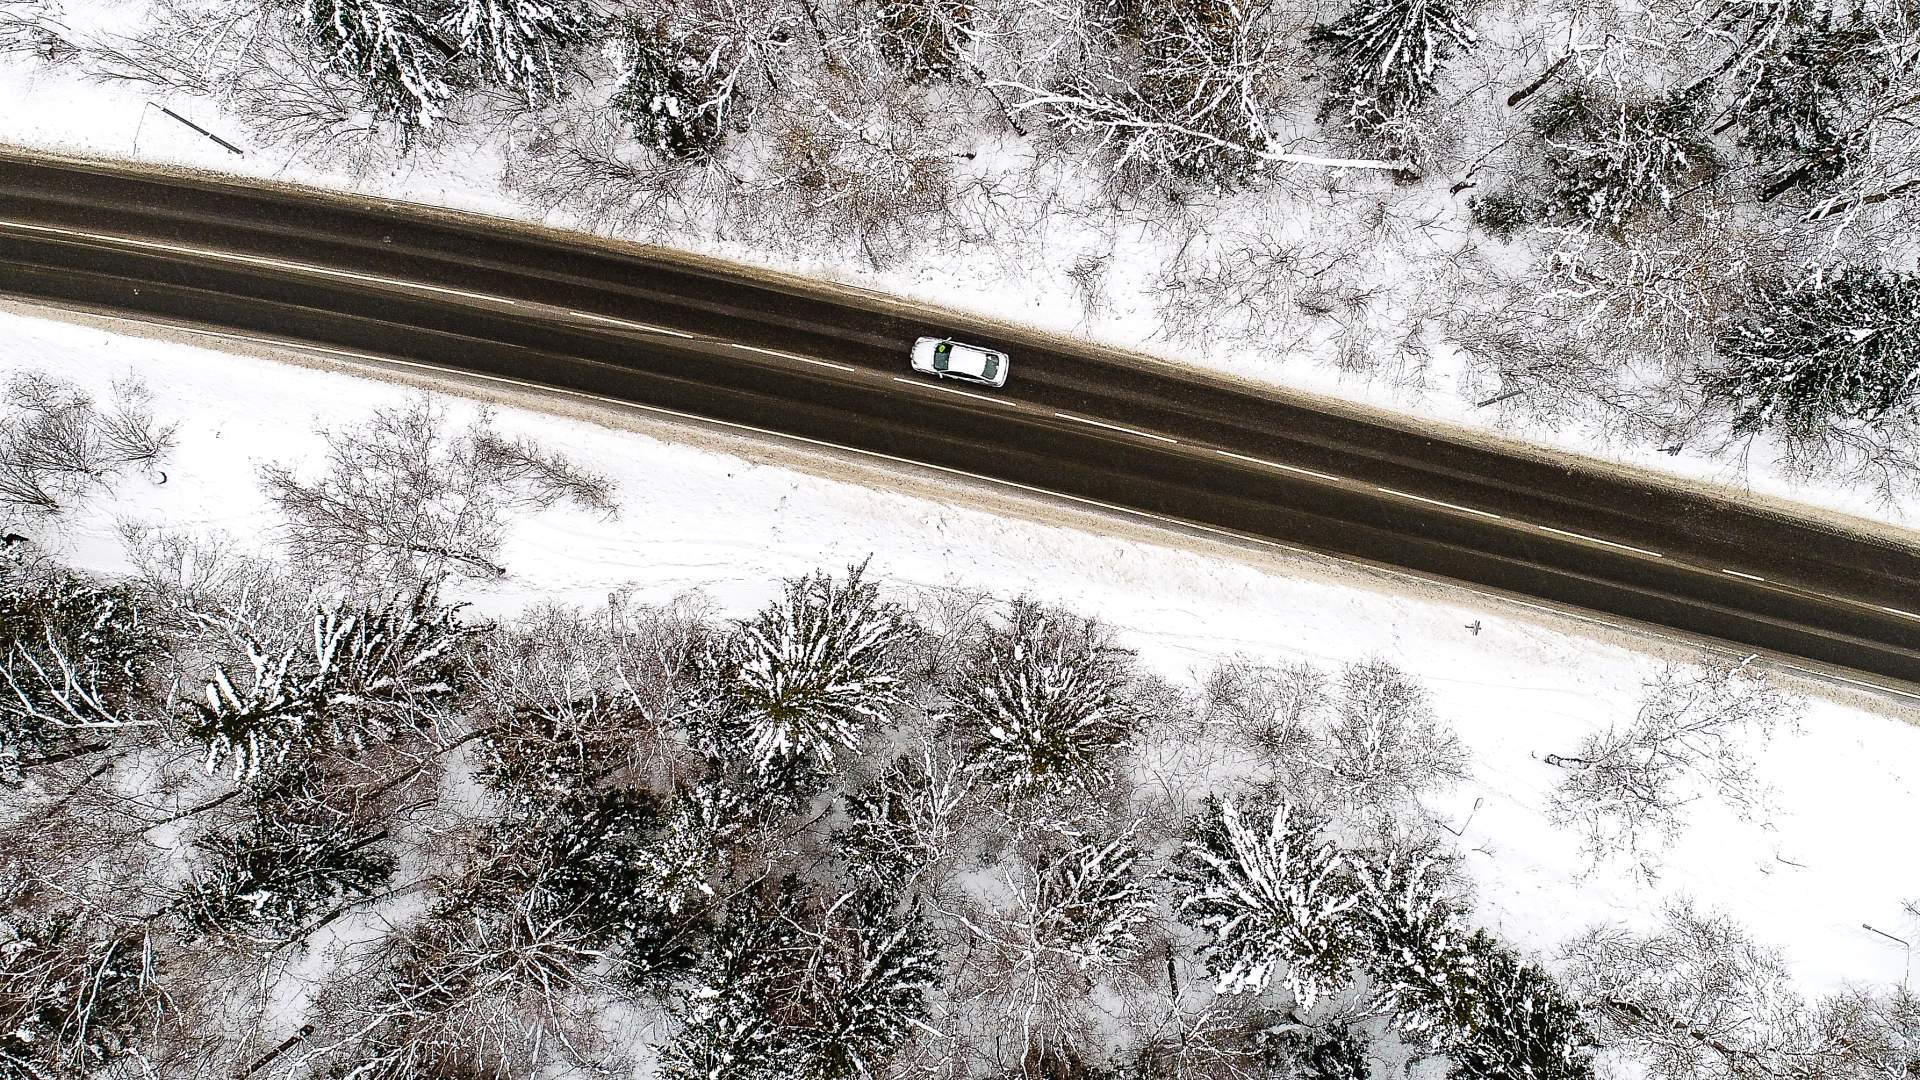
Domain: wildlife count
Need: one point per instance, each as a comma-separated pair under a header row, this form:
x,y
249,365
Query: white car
x,y
946,358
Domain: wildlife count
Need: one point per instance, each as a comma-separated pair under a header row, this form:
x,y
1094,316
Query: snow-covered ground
x,y
1025,282
711,511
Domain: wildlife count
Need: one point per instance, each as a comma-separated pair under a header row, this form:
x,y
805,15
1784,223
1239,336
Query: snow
x,y
714,512
1025,280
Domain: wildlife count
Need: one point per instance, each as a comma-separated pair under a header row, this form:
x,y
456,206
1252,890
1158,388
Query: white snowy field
x,y
724,515
1024,281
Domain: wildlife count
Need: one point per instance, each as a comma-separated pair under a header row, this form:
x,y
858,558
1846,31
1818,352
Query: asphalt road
x,y
653,329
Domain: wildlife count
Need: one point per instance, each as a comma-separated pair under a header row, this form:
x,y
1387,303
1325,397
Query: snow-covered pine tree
x,y
1275,898
1090,904
1386,58
362,673
1304,1053
73,1002
902,821
76,658
1613,158
1515,1021
800,680
1416,953
924,39
1045,704
684,89
391,47
866,987
294,858
1799,102
1800,356
521,44
729,1014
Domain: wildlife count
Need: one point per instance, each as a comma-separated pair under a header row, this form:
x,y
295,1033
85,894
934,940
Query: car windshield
x,y
940,353
987,369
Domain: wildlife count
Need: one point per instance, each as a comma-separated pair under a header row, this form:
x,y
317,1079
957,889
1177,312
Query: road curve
x,y
649,328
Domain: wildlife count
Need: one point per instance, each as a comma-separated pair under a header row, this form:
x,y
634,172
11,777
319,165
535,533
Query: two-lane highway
x,y
828,365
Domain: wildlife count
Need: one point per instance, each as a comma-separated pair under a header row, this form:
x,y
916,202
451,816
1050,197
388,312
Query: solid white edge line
x,y
628,323
788,356
1117,427
1897,611
1741,573
1436,502
1278,465
1636,628
1597,540
261,260
951,390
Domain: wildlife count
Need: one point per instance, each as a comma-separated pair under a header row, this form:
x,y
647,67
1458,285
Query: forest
x,y
299,813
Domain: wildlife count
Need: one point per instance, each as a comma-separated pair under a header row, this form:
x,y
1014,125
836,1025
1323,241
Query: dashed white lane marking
x,y
1597,540
1278,465
260,260
788,356
1740,573
1436,502
952,390
1897,611
629,324
1117,427
1043,492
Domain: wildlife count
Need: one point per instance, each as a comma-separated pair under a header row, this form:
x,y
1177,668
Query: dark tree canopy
x,y
1801,356
1386,57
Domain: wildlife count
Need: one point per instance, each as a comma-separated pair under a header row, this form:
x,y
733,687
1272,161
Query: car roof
x,y
967,360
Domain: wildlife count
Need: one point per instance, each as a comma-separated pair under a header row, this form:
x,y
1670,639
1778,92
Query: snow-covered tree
x,y
1306,1053
1385,748
800,680
1803,355
1386,56
56,443
1613,157
362,673
1514,1021
904,821
76,660
74,1002
924,39
392,49
404,499
1416,934
521,43
693,70
793,988
1172,88
1090,904
1795,102
1044,704
1276,900
1626,787
290,863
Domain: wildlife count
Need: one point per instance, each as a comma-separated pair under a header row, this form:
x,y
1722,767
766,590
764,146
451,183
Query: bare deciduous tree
x,y
1626,786
406,499
55,444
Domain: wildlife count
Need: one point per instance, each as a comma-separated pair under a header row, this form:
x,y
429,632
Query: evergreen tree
x,y
362,673
73,1003
803,677
1089,904
1416,953
901,822
1045,705
1800,356
1514,1022
924,39
76,659
1275,899
1387,55
1305,1053
867,988
682,91
519,43
297,855
1797,104
391,47
1614,158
